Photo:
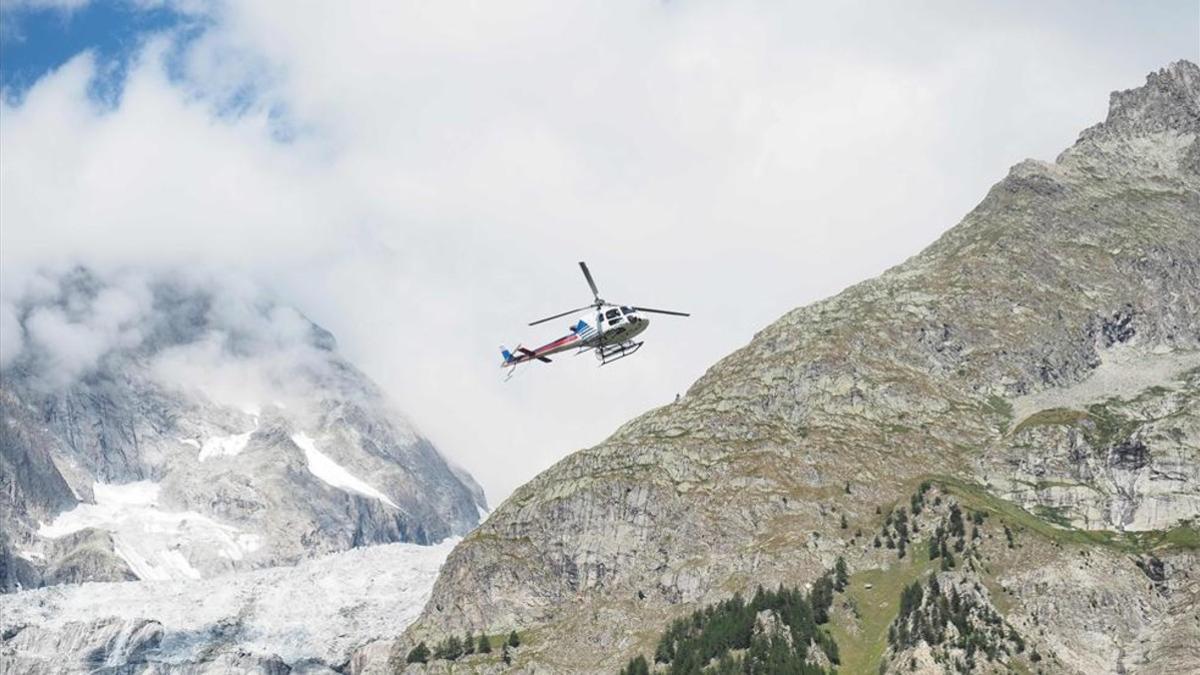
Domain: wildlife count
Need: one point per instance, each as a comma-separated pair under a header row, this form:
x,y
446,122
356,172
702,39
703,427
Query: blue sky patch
x,y
34,42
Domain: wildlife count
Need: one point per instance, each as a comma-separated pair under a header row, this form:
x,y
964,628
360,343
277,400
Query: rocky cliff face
x,y
1044,351
156,427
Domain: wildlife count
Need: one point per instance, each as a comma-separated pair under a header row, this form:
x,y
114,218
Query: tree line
x,y
724,638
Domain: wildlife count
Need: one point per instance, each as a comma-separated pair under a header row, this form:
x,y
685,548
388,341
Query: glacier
x,y
320,610
149,538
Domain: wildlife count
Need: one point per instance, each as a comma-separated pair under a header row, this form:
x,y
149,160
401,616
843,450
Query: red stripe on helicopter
x,y
565,340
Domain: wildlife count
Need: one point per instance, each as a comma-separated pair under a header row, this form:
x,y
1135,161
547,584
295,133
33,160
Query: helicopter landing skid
x,y
616,352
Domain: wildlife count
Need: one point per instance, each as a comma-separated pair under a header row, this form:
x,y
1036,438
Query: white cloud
x,y
272,372
73,325
445,165
72,347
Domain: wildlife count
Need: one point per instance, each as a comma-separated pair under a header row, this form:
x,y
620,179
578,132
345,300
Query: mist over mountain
x,y
999,440
175,426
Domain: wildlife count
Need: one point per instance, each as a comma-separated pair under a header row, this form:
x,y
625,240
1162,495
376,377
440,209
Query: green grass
x,y
999,406
1053,514
1049,484
877,608
1110,428
1051,417
1185,536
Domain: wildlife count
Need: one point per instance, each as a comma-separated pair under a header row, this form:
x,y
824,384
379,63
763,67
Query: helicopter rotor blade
x,y
661,311
558,316
587,274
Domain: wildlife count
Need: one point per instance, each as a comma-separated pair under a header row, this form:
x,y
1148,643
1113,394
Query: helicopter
x,y
607,329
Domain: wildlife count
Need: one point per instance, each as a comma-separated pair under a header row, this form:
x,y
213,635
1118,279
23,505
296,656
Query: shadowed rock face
x,y
155,427
1074,286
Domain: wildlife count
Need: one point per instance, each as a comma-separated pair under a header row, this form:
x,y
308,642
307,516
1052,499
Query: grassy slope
x,y
862,649
862,646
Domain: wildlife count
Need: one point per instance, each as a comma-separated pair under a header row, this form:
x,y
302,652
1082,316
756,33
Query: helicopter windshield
x,y
627,310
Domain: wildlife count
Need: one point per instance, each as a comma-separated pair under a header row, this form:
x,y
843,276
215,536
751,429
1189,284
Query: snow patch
x,y
323,467
217,446
151,540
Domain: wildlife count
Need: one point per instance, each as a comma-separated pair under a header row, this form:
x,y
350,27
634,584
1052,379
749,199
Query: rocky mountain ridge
x,y
159,427
1042,354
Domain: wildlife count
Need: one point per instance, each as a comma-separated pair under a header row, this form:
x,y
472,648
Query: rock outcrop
x,y
1044,350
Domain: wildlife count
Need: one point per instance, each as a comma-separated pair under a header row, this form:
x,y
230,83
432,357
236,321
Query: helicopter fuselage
x,y
607,329
610,326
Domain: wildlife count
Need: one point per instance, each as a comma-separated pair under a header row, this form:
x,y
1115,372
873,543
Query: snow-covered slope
x,y
323,467
162,427
316,613
148,537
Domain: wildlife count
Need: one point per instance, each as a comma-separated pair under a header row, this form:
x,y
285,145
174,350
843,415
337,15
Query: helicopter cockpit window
x,y
612,314
627,310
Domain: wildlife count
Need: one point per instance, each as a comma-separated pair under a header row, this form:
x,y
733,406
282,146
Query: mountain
x,y
170,426
1014,414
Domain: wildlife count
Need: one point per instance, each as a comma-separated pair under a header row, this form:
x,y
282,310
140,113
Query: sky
x,y
422,178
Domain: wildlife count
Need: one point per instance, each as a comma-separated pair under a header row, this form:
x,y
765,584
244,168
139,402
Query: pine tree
x,y
822,598
665,650
469,644
505,656
419,654
637,666
485,645
451,648
514,640
956,521
841,574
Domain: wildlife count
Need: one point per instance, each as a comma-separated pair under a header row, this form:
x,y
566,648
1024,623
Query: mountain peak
x,y
179,426
1170,99
1151,130
1043,354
